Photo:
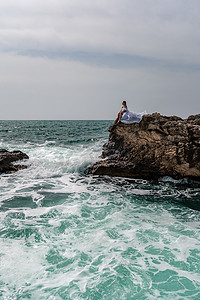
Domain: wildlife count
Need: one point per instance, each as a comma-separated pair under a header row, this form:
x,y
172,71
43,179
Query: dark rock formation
x,y
158,146
8,158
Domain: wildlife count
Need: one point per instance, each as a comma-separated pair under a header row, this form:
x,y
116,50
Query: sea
x,y
65,234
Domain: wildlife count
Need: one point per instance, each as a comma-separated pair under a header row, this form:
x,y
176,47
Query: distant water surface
x,y
67,235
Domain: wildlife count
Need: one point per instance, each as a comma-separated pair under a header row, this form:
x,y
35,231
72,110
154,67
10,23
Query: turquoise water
x,y
67,235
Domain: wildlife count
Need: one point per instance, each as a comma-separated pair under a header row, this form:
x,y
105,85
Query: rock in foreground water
x,y
156,147
8,158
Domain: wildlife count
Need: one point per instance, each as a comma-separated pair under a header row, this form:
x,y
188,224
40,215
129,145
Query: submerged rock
x,y
156,147
8,158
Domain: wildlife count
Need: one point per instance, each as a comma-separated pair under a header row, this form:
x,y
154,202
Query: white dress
x,y
130,117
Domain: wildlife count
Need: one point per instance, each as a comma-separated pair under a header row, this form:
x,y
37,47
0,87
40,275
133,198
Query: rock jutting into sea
x,y
7,159
156,147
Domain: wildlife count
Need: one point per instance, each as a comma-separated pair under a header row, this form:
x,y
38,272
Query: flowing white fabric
x,y
130,117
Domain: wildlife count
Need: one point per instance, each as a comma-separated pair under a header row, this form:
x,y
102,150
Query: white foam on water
x,y
48,166
99,245
85,234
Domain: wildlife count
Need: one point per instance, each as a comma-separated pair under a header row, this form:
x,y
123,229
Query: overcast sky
x,y
78,59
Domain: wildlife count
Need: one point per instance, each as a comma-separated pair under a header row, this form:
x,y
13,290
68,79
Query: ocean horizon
x,y
65,234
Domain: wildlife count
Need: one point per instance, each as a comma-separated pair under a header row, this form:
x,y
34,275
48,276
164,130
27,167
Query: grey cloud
x,y
113,60
55,54
39,88
147,30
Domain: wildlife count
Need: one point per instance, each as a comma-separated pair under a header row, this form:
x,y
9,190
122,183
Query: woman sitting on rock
x,y
128,117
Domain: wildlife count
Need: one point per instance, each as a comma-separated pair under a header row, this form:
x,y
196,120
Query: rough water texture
x,y
156,147
8,158
68,235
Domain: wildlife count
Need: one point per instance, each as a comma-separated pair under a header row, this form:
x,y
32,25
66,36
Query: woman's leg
x,y
117,120
119,116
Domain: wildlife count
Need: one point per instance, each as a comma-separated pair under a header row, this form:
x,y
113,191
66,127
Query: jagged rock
x,y
156,147
8,158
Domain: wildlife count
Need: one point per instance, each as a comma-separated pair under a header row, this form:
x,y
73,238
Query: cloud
x,y
39,88
130,32
64,59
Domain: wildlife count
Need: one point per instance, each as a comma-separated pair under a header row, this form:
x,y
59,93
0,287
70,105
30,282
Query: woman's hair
x,y
124,102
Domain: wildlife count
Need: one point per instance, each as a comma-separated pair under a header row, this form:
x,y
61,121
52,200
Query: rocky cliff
x,y
8,158
156,147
